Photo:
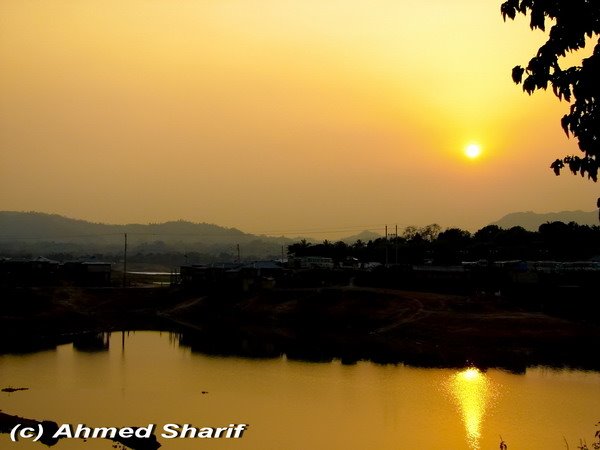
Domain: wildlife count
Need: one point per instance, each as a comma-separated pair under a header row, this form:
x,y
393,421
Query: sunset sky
x,y
276,116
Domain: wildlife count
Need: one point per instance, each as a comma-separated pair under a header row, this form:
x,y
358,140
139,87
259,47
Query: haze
x,y
276,116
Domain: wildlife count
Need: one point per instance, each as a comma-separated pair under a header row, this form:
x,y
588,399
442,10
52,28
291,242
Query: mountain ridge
x,y
531,220
38,233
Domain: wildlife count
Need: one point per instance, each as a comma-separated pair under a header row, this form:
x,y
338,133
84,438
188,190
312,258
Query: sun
x,y
473,151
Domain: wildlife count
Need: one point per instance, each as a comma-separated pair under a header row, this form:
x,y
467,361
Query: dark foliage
x,y
574,21
553,241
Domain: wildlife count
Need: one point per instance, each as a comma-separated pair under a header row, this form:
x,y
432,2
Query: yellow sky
x,y
275,115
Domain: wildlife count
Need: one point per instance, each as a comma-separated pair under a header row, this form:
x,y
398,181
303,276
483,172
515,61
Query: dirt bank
x,y
319,324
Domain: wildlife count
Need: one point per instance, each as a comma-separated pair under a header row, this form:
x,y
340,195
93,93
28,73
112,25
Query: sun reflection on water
x,y
472,391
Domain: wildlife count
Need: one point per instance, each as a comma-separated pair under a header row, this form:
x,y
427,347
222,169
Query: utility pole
x,y
386,246
238,253
125,263
396,246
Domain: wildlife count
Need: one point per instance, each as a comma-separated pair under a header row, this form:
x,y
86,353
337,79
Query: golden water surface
x,y
148,378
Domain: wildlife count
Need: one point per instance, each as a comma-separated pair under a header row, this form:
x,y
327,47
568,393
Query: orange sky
x,y
275,116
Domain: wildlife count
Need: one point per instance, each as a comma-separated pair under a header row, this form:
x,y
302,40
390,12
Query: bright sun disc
x,y
473,151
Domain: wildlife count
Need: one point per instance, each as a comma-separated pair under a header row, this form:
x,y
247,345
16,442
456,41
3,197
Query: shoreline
x,y
317,324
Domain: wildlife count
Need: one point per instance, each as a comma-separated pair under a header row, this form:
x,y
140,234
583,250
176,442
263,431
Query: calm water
x,y
146,377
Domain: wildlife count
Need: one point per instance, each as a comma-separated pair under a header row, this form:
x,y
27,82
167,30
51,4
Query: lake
x,y
143,378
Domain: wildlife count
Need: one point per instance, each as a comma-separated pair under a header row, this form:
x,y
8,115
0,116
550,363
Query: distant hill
x,y
364,236
42,233
532,221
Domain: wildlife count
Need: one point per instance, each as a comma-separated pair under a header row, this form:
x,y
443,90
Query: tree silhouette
x,y
556,241
574,20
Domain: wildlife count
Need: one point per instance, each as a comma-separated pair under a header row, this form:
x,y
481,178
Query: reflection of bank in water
x,y
473,392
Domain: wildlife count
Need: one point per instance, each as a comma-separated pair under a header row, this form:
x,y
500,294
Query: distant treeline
x,y
165,260
555,241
